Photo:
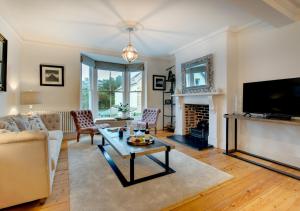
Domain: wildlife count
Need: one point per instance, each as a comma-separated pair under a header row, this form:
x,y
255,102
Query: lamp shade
x,y
129,53
30,98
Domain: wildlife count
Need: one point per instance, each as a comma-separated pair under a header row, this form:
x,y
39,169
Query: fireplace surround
x,y
216,107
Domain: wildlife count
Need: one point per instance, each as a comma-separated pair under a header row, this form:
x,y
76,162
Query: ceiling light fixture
x,y
129,53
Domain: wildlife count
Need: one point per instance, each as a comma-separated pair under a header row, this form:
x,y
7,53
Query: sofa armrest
x,y
24,167
24,136
52,121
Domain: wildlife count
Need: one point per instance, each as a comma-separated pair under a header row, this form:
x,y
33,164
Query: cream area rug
x,y
94,186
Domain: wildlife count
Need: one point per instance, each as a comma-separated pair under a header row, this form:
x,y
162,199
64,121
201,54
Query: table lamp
x,y
30,98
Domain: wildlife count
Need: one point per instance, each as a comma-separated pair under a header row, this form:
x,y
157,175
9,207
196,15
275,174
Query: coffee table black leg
x,y
132,157
103,141
167,159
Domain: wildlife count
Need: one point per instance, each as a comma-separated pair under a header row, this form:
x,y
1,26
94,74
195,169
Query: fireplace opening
x,y
196,127
201,131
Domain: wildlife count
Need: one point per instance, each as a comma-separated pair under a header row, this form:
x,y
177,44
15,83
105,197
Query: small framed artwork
x,y
51,75
159,82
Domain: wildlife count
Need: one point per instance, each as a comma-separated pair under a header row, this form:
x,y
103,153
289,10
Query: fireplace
x,y
196,122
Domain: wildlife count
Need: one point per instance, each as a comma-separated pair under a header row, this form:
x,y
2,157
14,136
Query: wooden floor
x,y
252,188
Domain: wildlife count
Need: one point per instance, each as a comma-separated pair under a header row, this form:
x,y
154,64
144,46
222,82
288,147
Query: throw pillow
x,y
22,122
35,123
8,123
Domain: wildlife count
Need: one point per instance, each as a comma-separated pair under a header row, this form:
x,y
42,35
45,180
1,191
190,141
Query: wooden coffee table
x,y
131,152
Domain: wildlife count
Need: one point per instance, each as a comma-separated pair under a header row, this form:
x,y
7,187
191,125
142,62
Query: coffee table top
x,y
125,150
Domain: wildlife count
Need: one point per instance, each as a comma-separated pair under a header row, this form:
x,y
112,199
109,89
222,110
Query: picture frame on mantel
x,y
51,75
159,82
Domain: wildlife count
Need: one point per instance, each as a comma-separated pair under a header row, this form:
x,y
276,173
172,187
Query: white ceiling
x,y
168,24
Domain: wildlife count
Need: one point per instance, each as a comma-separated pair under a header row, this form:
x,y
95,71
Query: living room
x,y
201,71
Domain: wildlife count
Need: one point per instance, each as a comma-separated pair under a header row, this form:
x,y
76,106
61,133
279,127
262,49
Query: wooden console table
x,y
228,152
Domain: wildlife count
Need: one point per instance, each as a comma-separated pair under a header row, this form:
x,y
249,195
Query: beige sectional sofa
x,y
29,150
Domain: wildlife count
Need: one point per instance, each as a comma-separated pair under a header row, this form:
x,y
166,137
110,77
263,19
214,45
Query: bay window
x,y
107,84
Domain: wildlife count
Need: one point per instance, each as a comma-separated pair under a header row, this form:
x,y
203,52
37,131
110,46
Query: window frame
x,y
143,88
108,91
126,93
91,85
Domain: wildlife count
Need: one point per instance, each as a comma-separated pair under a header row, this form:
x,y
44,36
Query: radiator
x,y
67,123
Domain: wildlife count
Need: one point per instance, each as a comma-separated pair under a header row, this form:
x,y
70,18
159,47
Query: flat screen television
x,y
276,97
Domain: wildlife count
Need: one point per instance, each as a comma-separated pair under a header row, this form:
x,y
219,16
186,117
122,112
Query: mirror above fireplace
x,y
197,75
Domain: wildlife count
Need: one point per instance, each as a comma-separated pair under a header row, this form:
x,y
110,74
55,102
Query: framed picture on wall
x,y
51,75
159,82
3,63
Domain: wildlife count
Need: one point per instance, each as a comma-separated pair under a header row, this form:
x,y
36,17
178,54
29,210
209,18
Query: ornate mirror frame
x,y
3,64
209,87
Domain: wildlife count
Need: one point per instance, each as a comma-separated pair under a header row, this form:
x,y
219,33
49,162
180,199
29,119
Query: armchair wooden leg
x,y
78,137
155,130
92,138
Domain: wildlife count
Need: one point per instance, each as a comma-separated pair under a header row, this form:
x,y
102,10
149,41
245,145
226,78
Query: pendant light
x,y
129,53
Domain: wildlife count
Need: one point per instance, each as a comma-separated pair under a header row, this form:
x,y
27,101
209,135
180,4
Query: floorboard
x,y
252,188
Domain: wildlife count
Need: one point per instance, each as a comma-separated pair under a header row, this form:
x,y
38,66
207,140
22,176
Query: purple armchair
x,y
84,124
150,115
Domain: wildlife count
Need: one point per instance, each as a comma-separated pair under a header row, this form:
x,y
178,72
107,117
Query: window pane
x,y
117,79
85,101
136,103
117,98
107,100
110,92
136,81
103,82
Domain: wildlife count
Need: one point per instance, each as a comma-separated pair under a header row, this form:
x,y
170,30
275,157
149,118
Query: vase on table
x,y
124,115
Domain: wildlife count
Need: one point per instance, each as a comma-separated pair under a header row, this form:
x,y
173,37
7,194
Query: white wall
x,y
217,45
68,97
9,100
155,98
266,53
53,98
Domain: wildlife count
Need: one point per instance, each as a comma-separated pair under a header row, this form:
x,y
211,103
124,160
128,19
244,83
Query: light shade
x,y
129,53
30,98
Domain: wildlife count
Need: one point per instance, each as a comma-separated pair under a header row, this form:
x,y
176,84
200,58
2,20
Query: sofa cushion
x,y
4,131
53,150
52,121
55,135
8,123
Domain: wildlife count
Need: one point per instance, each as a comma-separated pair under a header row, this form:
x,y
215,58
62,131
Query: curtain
x,y
87,61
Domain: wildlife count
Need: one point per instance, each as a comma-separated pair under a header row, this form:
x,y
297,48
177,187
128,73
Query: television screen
x,y
272,97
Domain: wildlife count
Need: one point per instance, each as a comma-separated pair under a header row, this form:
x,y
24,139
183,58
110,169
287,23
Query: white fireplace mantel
x,y
198,94
209,95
